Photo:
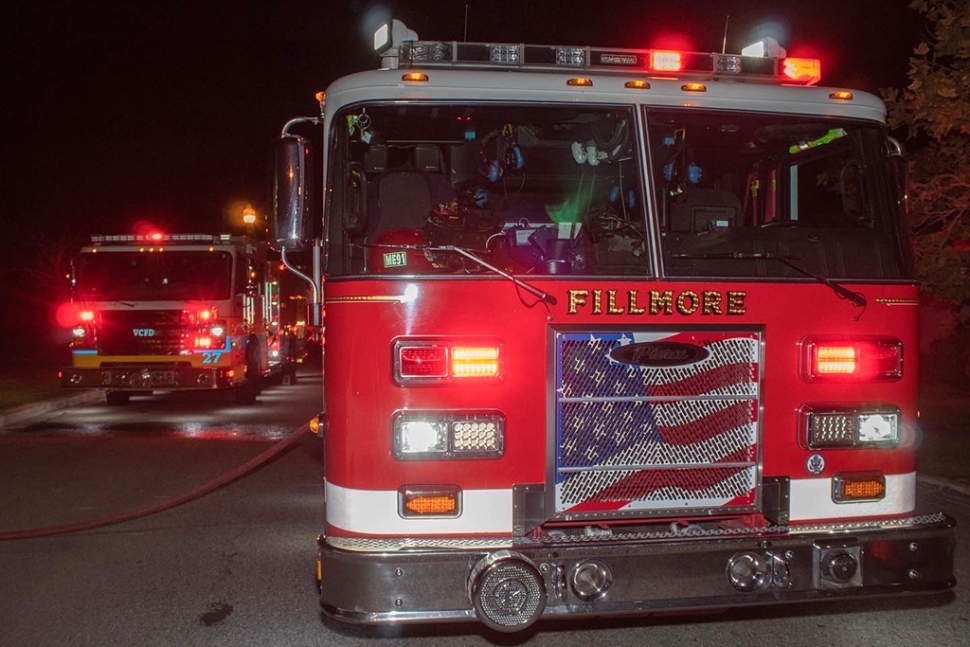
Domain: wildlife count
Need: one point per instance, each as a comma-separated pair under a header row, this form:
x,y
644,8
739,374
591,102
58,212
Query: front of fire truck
x,y
612,332
167,312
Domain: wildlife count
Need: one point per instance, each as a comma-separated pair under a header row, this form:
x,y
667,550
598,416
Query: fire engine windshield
x,y
156,276
529,189
555,189
734,190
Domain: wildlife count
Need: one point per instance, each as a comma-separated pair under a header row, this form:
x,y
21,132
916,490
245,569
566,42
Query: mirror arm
x,y
313,284
299,120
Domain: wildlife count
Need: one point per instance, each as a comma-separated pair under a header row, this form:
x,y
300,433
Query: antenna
x,y
465,36
727,19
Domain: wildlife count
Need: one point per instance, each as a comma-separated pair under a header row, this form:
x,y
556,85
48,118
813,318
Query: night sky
x,y
120,112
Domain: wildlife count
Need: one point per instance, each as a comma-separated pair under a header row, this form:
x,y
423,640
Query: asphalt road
x,y
235,567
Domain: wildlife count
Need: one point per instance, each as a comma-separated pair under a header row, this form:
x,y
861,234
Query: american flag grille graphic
x,y
654,439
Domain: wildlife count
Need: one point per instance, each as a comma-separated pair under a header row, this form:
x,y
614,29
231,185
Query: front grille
x,y
641,433
140,332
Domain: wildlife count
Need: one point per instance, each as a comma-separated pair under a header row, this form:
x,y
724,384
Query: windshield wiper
x,y
531,289
857,299
544,296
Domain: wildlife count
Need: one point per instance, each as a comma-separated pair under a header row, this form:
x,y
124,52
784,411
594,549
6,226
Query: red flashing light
x,y
802,70
423,361
665,60
156,236
199,314
852,360
68,314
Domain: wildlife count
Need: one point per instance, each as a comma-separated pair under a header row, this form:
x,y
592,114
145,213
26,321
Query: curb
x,y
27,411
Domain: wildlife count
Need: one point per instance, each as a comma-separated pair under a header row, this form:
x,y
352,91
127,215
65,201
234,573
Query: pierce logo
x,y
659,354
143,332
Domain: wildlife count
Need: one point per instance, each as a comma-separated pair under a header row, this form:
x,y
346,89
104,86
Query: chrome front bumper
x,y
408,581
146,377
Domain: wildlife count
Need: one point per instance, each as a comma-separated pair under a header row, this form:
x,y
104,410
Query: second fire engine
x,y
176,312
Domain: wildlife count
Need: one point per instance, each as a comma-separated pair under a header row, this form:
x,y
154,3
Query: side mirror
x,y
902,182
292,172
900,172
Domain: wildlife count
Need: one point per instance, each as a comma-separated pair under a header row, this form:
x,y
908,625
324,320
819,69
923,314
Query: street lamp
x,y
249,215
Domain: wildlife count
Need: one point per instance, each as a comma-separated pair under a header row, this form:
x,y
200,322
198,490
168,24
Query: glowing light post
x,y
249,218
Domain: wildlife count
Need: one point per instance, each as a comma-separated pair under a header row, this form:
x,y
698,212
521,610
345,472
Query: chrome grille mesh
x,y
648,439
582,361
662,486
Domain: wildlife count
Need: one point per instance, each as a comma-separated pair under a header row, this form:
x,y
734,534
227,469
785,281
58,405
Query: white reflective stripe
x,y
375,512
811,499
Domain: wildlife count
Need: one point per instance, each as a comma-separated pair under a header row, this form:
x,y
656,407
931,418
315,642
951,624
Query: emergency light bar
x,y
98,239
652,61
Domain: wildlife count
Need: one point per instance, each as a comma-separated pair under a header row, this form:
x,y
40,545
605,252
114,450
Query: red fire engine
x,y
609,332
175,312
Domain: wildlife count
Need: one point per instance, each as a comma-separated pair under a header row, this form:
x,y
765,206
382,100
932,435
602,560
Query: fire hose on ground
x,y
253,464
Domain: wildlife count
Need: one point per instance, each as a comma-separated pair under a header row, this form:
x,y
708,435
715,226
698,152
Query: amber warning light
x,y
474,362
866,486
438,502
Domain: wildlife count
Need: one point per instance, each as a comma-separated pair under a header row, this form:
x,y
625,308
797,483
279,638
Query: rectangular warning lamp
x,y
433,502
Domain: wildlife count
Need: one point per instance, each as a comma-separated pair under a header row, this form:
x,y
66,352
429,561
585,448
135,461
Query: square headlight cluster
x,y
424,435
826,427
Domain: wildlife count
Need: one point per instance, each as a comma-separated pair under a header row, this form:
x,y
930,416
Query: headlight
x,y
422,437
448,435
476,435
832,427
